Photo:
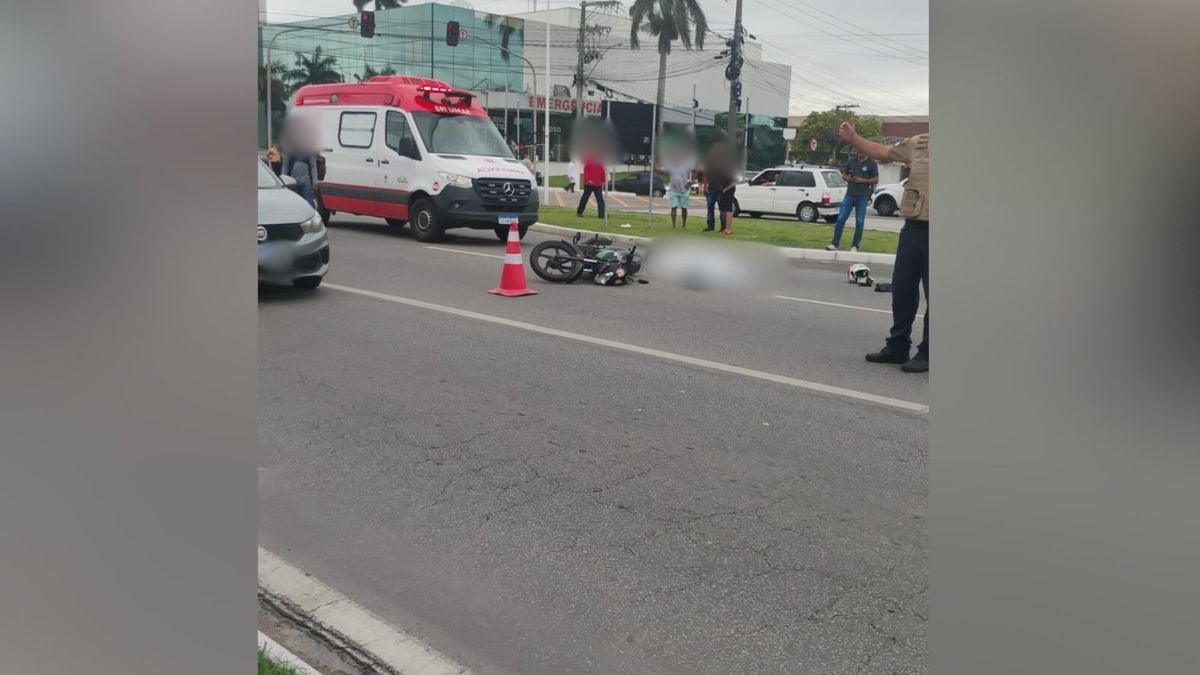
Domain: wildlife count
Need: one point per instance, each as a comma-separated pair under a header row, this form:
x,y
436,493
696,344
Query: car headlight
x,y
313,224
455,179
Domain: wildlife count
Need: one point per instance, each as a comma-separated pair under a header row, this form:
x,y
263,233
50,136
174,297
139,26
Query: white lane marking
x,y
403,652
455,250
646,351
280,654
835,304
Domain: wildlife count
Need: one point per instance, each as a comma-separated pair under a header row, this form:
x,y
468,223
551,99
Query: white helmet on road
x,y
860,274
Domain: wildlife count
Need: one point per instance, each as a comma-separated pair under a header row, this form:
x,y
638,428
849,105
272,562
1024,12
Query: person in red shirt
x,y
593,183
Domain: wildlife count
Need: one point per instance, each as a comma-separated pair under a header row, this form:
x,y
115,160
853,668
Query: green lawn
x,y
268,667
791,233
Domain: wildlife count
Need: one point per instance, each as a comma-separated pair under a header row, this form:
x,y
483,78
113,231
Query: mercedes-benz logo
x,y
508,189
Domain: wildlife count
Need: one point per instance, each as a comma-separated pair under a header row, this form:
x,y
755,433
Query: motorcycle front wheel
x,y
556,261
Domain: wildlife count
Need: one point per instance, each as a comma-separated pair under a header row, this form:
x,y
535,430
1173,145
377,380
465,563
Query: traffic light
x,y
452,33
366,24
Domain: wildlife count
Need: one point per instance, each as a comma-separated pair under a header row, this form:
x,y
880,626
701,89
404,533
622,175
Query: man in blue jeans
x,y
861,173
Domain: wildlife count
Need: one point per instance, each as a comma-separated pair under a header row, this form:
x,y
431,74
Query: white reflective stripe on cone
x,y
513,259
513,235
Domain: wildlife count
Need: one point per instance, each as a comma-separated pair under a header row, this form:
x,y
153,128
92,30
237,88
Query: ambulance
x,y
417,151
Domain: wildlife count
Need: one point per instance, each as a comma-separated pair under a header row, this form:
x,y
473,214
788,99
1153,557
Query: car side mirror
x,y
407,147
288,181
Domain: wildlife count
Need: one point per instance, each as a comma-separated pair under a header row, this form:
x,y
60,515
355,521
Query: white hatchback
x,y
806,192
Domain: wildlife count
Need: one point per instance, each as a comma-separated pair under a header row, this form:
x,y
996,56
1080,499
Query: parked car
x,y
886,198
292,245
807,192
639,184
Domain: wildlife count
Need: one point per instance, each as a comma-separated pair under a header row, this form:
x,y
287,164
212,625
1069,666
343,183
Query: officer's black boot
x,y
918,363
889,354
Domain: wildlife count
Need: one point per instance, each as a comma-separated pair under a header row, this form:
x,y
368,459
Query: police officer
x,y
912,255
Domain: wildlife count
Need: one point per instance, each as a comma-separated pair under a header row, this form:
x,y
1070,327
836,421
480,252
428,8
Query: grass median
x,y
793,233
268,666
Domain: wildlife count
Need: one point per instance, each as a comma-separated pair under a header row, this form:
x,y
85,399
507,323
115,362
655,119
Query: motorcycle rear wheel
x,y
556,261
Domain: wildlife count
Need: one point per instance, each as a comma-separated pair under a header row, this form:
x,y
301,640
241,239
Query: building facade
x,y
503,58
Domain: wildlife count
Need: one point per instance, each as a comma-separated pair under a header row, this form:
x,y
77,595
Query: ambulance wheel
x,y
502,232
322,211
424,221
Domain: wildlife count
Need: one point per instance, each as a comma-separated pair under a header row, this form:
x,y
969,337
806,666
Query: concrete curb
x,y
280,654
356,632
790,253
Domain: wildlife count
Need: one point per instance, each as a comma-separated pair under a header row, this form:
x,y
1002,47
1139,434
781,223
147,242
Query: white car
x,y
806,192
886,199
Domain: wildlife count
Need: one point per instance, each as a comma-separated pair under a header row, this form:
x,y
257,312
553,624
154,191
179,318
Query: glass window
x,y
395,128
356,129
806,179
833,179
266,177
460,135
765,177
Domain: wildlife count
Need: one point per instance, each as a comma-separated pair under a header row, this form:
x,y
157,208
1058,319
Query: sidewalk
x,y
626,202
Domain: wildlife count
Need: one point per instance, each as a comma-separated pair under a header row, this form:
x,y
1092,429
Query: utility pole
x,y
746,137
695,104
837,120
733,72
579,61
581,47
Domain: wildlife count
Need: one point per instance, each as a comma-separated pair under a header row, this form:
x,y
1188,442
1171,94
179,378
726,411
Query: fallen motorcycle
x,y
565,261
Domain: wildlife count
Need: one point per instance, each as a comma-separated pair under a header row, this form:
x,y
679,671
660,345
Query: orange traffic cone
x,y
512,278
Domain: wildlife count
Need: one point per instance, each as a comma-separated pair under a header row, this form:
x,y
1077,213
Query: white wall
x,y
766,85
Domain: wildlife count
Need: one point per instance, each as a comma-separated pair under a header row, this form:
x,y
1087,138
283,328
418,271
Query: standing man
x,y
862,173
678,173
572,174
710,191
912,254
593,183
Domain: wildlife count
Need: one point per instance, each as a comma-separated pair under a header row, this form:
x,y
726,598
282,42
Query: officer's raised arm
x,y
876,151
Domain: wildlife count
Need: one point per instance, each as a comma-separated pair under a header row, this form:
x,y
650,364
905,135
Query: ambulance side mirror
x,y
407,147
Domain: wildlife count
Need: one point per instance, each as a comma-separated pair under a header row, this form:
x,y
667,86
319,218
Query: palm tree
x,y
318,69
508,26
369,72
667,20
279,90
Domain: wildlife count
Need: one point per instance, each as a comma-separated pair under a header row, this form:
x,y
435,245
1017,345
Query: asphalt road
x,y
625,201
535,503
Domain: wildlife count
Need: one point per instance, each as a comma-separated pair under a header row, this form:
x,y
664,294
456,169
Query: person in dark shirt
x,y
862,173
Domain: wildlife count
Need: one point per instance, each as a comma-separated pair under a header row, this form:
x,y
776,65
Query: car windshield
x,y
266,178
834,179
460,135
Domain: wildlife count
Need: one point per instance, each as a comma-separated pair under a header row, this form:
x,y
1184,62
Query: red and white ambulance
x,y
417,151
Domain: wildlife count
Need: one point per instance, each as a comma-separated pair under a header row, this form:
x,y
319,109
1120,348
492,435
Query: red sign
x,y
565,105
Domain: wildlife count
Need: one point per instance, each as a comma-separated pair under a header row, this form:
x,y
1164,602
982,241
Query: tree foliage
x,y
369,72
823,127
316,69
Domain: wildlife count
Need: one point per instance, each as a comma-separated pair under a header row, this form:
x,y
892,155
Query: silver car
x,y
292,245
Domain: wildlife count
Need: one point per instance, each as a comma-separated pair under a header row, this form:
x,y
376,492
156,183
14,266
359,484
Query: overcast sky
x,y
871,52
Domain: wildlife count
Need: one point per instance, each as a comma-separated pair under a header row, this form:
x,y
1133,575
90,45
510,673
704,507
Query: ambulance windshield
x,y
460,135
